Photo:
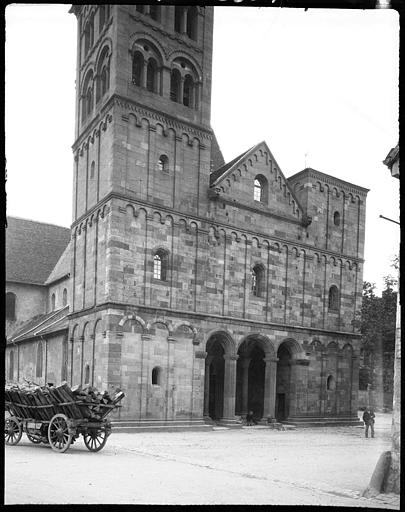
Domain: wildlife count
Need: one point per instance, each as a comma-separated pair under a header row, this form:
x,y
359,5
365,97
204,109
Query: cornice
x,y
215,224
208,316
162,117
331,180
141,18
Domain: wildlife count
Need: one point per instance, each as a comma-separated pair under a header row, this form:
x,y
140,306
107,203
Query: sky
x,y
319,86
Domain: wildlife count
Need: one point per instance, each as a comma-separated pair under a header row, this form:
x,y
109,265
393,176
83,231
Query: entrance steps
x,y
134,426
323,422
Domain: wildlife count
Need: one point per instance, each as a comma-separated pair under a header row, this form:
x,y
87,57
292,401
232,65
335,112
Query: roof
x,y
33,249
328,178
62,268
217,159
41,325
215,175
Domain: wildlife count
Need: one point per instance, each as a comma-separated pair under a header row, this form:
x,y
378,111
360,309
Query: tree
x,y
378,317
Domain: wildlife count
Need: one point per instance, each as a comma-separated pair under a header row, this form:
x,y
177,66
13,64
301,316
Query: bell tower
x,y
142,161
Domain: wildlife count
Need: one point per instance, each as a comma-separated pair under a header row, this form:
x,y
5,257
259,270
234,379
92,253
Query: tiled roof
x,y
62,268
41,325
33,249
219,172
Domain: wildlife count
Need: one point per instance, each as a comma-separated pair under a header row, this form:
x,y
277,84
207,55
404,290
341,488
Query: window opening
x,y
175,85
333,298
156,376
64,299
87,374
192,23
53,301
257,190
178,15
330,383
160,266
151,76
137,67
187,91
336,218
163,163
257,280
92,167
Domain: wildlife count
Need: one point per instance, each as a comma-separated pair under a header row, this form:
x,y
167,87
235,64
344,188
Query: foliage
x,y
378,317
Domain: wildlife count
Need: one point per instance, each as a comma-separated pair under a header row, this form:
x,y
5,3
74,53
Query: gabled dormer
x,y
254,181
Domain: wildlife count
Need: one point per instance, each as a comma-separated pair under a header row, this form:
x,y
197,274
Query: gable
x,y
236,180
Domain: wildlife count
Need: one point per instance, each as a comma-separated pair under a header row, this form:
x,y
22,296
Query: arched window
x,y
154,12
192,23
89,101
333,298
178,17
87,374
64,297
163,163
156,376
160,260
151,75
40,357
175,79
330,383
257,281
137,68
53,301
364,379
92,169
102,17
336,218
188,91
10,306
258,190
11,365
104,80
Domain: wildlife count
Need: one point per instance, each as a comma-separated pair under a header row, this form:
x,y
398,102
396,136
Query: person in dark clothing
x,y
369,418
250,420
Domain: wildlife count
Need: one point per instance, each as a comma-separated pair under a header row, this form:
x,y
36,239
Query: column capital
x,y
299,362
270,359
230,357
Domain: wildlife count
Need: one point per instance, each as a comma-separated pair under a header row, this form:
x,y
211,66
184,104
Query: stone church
x,y
201,288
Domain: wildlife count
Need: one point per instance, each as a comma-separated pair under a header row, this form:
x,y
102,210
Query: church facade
x,y
201,288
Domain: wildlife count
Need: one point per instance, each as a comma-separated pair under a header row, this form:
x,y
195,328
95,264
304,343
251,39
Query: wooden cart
x,y
59,422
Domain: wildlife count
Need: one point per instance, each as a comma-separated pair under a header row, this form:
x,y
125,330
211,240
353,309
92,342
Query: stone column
x,y
228,412
355,386
208,361
245,362
270,375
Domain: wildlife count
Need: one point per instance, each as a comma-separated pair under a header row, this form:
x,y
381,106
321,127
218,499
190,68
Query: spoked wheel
x,y
12,431
58,433
33,439
95,438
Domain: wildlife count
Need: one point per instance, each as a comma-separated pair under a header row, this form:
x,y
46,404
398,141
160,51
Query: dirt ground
x,y
252,465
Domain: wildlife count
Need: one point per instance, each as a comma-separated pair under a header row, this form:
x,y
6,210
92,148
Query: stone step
x,y
323,422
159,426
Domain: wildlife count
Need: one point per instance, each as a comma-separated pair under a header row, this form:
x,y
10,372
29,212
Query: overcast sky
x,y
320,87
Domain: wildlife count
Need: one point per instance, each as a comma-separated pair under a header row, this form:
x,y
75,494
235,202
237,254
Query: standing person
x,y
250,419
368,418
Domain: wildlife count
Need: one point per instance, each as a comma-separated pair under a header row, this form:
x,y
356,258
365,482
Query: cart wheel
x,y
95,438
33,439
58,433
12,431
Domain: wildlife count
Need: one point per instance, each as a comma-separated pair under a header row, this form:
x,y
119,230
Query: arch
x,y
332,346
333,298
336,218
247,343
175,79
260,189
163,163
184,323
11,299
331,383
258,277
151,75
192,23
156,376
137,68
224,338
293,347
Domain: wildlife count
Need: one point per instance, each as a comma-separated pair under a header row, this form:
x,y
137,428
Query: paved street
x,y
254,465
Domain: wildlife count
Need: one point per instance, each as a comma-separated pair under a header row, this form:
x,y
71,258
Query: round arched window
x,y
330,383
336,218
156,376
